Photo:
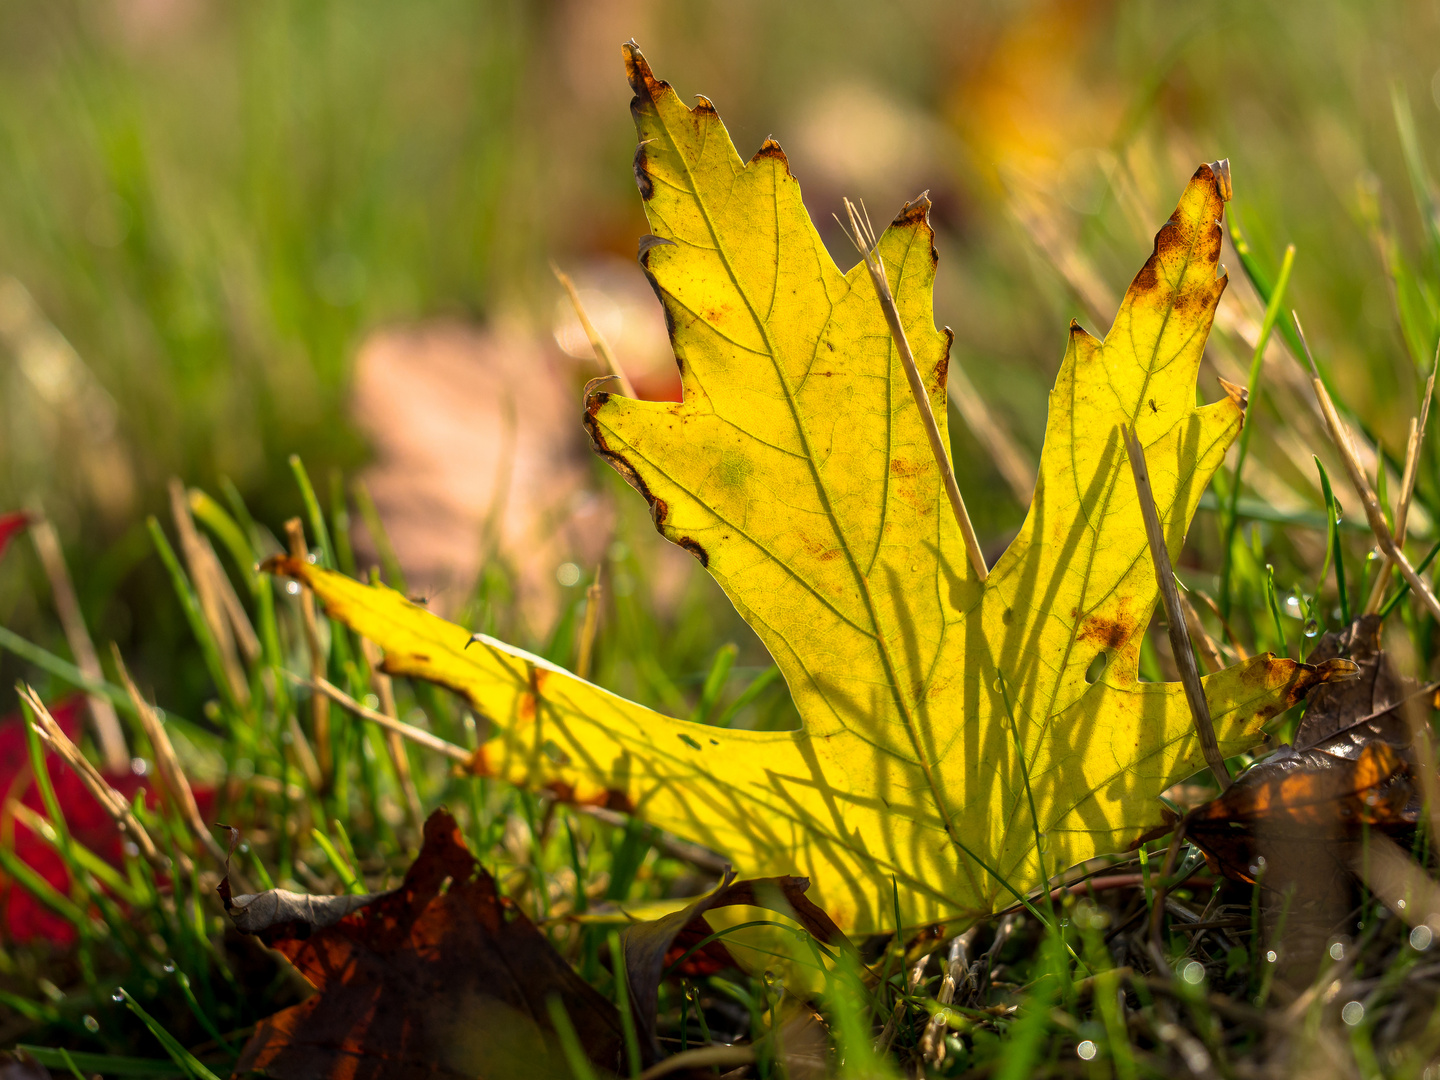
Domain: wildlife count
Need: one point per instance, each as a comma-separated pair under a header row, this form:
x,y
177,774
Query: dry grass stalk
x,y
1014,464
588,630
321,687
957,973
1399,881
680,849
108,732
111,800
1340,435
173,784
1209,650
205,572
700,1058
394,743
1241,653
1174,612
862,235
1407,486
319,704
602,349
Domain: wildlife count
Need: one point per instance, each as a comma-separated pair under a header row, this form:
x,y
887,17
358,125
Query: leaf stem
x,y
863,237
1174,613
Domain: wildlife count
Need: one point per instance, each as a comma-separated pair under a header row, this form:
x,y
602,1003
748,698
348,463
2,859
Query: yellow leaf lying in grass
x,y
796,469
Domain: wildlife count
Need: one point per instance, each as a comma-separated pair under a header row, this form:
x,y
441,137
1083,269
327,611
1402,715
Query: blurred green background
x,y
207,210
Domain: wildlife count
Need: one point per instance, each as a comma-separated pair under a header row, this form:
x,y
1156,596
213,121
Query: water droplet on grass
x,y
1311,628
1421,938
1193,973
1352,1013
169,967
1272,956
118,997
1086,1050
91,1024
1337,951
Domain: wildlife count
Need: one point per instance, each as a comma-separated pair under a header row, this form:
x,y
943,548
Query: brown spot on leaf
x,y
618,462
1238,394
905,468
1106,633
941,378
643,83
695,548
642,174
916,214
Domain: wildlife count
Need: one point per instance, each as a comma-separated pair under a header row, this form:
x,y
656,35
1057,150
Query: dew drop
x,y
1272,956
1352,1013
91,1024
1311,628
169,967
1193,973
998,686
118,997
1421,938
293,588
1086,1050
1337,951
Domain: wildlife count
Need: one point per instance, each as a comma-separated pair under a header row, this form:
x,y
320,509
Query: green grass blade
x,y
758,686
569,1040
178,1054
622,1003
63,670
1274,604
347,874
102,1064
1232,517
389,562
715,682
318,527
190,604
1332,515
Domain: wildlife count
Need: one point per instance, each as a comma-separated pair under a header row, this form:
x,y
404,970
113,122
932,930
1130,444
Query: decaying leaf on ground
x,y
441,977
1300,814
936,710
1370,706
650,948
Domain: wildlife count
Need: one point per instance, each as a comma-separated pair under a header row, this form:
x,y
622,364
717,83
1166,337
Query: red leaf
x,y
10,524
25,917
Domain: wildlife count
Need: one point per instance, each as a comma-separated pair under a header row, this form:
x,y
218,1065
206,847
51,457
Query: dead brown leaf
x,y
442,977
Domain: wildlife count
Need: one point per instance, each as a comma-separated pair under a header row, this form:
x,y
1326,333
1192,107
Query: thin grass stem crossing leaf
x,y
797,471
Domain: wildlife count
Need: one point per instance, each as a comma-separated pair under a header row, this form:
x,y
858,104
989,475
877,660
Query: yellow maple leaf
x,y
797,470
